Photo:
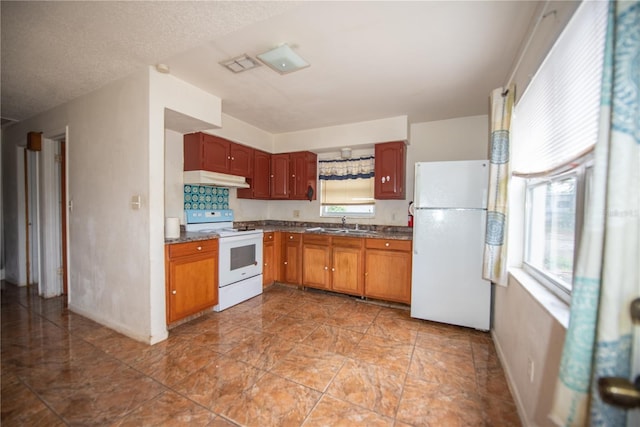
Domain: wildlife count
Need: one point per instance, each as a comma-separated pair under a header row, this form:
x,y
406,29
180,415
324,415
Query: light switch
x,y
135,202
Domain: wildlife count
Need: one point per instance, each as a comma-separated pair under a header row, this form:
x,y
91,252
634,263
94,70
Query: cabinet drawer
x,y
268,236
292,237
191,248
316,239
348,242
389,244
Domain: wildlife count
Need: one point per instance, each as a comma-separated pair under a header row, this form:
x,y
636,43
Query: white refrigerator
x,y
448,241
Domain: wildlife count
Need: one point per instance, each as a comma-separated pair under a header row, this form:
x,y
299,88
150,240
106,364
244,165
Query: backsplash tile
x,y
205,197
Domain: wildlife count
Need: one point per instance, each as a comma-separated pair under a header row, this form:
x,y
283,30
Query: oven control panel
x,y
202,216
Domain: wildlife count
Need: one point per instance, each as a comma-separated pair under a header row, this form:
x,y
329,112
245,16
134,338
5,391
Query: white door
x,y
447,284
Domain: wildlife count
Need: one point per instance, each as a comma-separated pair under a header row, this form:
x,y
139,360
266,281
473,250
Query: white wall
x,y
108,241
167,92
13,211
463,138
524,324
116,147
244,133
350,135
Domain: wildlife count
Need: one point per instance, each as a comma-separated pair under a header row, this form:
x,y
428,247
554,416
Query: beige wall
x,y
524,331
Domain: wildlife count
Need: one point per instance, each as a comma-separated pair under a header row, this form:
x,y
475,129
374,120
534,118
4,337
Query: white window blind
x,y
347,192
556,119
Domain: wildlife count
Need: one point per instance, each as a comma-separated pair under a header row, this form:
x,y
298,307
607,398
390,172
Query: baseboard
x,y
116,326
510,382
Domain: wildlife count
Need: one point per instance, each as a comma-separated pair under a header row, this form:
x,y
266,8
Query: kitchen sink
x,y
343,231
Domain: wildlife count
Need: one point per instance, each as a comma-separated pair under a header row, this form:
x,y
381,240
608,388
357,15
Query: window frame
x,y
582,169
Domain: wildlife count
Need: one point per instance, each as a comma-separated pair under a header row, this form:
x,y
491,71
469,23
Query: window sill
x,y
547,300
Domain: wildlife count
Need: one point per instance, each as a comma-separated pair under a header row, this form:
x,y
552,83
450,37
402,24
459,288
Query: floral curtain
x,y
494,267
346,168
607,275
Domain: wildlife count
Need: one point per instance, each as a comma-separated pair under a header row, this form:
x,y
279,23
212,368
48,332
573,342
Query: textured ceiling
x,y
369,60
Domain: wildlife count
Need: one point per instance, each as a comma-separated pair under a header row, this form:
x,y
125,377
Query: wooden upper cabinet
x,y
215,154
241,162
280,176
261,175
260,180
303,175
390,170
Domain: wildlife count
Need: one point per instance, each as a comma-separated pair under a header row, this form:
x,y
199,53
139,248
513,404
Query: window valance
x,y
334,170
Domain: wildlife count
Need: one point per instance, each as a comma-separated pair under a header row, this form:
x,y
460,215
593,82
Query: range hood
x,y
214,178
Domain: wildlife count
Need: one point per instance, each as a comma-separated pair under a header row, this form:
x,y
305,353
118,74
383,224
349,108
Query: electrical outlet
x,y
296,213
530,369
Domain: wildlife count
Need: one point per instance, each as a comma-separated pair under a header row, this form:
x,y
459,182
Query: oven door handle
x,y
232,239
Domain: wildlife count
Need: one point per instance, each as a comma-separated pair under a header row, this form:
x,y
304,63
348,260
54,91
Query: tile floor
x,y
286,358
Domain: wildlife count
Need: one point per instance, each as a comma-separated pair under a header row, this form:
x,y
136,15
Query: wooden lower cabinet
x,y
291,265
191,278
333,263
269,268
388,270
347,265
316,255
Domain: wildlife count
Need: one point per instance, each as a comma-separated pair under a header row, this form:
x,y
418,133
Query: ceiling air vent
x,y
240,63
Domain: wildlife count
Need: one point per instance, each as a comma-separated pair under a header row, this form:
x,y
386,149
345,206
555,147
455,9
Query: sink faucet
x,y
344,222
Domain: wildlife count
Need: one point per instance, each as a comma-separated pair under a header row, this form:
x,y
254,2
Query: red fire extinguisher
x,y
410,221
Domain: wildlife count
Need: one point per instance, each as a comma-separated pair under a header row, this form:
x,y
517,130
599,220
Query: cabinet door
x,y
316,271
241,162
279,176
216,154
297,177
192,285
388,275
390,160
268,268
347,270
292,258
261,175
303,175
193,149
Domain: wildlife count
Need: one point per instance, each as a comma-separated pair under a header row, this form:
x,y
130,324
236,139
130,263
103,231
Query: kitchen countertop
x,y
374,231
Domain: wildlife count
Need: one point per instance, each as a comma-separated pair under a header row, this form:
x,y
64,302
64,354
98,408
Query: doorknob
x,y
620,392
634,310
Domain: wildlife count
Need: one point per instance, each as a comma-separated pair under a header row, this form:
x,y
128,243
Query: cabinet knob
x,y
265,264
291,237
387,244
285,263
326,268
333,269
228,157
388,178
271,176
199,248
233,158
293,176
270,237
174,292
383,179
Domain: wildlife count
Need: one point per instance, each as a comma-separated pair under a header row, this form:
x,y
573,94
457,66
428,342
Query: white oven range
x,y
239,255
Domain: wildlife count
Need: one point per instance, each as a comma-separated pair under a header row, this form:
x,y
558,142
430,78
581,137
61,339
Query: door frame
x,y
49,181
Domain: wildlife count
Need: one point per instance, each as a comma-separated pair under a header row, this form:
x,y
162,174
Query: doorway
x,y
45,175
